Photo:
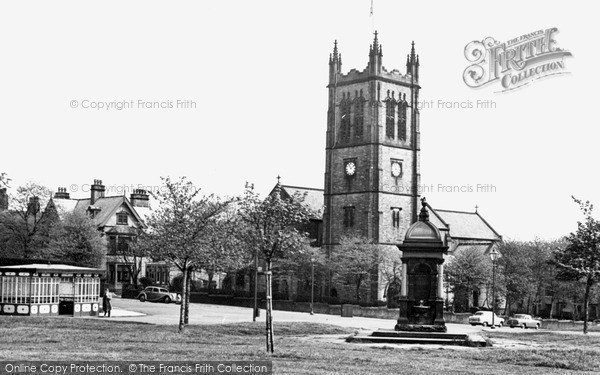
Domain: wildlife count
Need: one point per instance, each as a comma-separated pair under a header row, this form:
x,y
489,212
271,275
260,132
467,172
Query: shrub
x,y
196,286
146,281
331,300
177,284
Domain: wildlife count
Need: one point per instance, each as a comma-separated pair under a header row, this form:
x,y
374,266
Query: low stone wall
x,y
318,308
568,325
457,318
369,312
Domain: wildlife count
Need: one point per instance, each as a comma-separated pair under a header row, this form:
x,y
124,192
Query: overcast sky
x,y
257,72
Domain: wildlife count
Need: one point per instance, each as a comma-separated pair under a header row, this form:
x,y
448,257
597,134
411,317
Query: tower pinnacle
x,y
375,55
412,63
335,61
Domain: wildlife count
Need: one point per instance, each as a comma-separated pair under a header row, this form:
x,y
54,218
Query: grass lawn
x,y
300,348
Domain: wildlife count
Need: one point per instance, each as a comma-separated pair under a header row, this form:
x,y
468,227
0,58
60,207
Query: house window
x,y
402,120
122,273
112,245
390,107
396,217
348,217
122,218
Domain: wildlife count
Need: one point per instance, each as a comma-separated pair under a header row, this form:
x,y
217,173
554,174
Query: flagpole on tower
x,y
372,16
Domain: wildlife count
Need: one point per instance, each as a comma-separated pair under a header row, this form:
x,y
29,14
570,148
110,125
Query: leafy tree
x,y
515,265
224,250
180,230
25,224
271,230
300,265
4,180
544,273
77,240
354,262
580,259
467,271
390,270
133,254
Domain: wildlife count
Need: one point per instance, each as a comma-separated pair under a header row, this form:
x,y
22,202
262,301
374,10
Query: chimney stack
x,y
62,194
97,191
3,199
34,206
139,198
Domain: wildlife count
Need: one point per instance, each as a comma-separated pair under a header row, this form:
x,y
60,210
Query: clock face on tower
x,y
350,168
396,169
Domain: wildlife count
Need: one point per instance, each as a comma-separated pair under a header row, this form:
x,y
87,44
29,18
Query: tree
x,y
515,265
354,262
300,264
580,259
390,270
77,240
224,250
134,252
179,230
467,271
544,281
26,223
271,231
4,180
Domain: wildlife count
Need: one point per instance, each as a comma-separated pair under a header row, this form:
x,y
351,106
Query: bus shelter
x,y
49,290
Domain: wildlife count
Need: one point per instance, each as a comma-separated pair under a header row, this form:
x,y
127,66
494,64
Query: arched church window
x,y
390,109
396,217
348,217
345,120
359,117
402,120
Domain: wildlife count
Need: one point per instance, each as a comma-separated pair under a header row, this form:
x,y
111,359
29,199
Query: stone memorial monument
x,y
421,301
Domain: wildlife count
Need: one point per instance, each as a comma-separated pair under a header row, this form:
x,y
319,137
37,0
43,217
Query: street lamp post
x,y
312,286
493,256
255,310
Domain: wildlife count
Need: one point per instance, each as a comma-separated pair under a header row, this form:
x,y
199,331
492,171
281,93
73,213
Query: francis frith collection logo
x,y
514,63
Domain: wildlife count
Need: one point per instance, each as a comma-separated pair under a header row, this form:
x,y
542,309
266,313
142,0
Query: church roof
x,y
466,225
459,224
313,198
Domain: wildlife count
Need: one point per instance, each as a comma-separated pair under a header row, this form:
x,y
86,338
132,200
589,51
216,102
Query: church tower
x,y
372,152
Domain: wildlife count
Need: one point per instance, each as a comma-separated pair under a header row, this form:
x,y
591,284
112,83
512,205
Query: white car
x,y
485,319
524,321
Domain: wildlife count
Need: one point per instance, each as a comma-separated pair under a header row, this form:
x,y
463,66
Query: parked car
x,y
158,294
524,321
485,319
131,291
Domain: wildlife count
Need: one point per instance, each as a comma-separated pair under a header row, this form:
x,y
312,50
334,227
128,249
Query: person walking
x,y
106,302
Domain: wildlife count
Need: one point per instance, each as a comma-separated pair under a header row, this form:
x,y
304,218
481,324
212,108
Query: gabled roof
x,y
107,206
65,205
313,198
465,225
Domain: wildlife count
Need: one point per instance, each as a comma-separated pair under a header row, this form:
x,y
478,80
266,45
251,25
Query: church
x,y
372,171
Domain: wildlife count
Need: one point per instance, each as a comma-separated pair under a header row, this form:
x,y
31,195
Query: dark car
x,y
158,294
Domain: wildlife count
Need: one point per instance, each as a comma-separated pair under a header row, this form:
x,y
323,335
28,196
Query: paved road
x,y
160,313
